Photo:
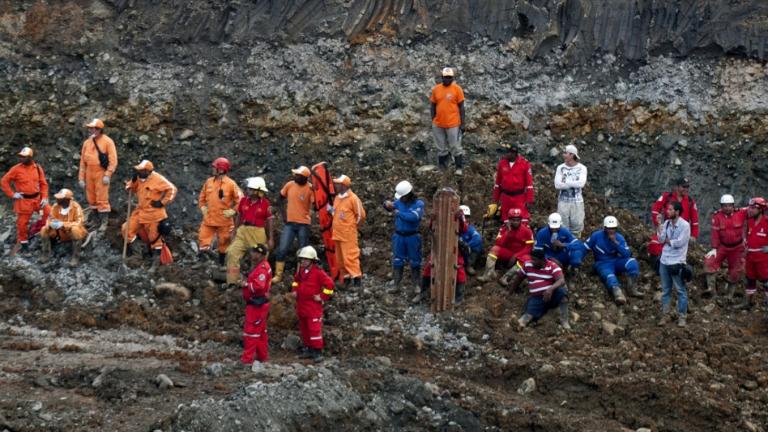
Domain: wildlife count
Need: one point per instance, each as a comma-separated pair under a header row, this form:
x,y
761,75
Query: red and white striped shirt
x,y
540,279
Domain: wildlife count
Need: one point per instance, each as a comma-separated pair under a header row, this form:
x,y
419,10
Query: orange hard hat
x,y
343,179
302,170
144,165
514,213
95,123
221,164
63,194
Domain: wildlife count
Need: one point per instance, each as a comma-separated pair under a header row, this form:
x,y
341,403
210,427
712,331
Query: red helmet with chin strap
x,y
514,213
758,202
221,164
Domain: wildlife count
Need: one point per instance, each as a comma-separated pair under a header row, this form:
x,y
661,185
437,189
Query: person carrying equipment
x,y
98,162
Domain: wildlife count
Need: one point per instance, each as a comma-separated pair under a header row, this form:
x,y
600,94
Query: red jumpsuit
x,y
757,260
307,283
690,211
256,290
514,186
513,244
728,240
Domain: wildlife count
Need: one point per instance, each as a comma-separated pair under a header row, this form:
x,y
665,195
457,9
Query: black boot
x,y
357,282
416,279
458,296
397,276
426,282
222,258
442,162
316,355
305,353
469,265
155,260
459,161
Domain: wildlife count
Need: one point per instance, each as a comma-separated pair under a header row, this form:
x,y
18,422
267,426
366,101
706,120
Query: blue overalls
x,y
406,241
612,259
571,255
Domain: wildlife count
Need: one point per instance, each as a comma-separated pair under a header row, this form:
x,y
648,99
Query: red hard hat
x,y
221,164
758,202
514,213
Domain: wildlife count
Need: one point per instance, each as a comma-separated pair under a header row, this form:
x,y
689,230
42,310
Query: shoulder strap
x,y
96,146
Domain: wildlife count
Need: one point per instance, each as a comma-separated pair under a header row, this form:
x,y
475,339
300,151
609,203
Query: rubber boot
x,y
416,279
524,320
459,161
103,219
470,264
632,287
316,355
346,283
155,260
458,296
201,256
222,258
305,353
45,253
490,269
76,247
137,248
23,248
711,285
279,269
730,290
618,296
665,316
357,282
424,291
397,277
746,303
442,162
564,316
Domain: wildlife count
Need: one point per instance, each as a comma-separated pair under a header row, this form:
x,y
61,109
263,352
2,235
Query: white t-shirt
x,y
569,181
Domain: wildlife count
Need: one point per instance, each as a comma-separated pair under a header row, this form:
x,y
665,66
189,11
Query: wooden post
x,y
445,249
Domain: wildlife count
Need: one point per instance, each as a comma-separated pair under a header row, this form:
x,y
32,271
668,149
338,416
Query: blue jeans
x,y
537,307
291,230
671,274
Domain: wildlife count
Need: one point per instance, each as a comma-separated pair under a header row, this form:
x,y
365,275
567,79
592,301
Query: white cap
x,y
26,152
465,209
611,222
307,252
555,221
448,72
402,189
256,183
570,148
727,199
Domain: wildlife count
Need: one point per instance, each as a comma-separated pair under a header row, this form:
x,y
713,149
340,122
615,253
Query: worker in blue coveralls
x,y
612,257
406,241
560,244
473,242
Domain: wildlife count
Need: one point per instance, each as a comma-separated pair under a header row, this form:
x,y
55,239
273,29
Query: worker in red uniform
x,y
513,245
253,225
679,193
757,249
29,194
311,287
514,184
256,296
727,244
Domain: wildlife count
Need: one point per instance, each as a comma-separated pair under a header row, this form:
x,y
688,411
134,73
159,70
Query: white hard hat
x,y
447,72
555,220
402,189
465,209
727,199
611,222
256,183
307,252
570,148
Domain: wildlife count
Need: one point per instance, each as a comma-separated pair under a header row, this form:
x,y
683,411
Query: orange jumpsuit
x,y
218,195
73,228
348,213
92,173
155,187
28,180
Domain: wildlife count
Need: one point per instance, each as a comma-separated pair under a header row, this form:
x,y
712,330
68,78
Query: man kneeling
x,y
546,286
64,224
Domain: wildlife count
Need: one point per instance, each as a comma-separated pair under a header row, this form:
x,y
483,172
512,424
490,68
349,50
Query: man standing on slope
x,y
447,109
570,178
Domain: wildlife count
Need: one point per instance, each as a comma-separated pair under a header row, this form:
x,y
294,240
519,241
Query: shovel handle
x,y
127,219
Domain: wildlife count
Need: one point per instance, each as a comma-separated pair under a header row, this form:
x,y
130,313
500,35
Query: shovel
x,y
125,234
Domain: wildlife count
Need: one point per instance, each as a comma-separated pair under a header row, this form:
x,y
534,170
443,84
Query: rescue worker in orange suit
x,y
65,223
514,184
153,193
679,193
218,201
299,199
311,288
253,226
727,244
757,250
256,296
29,194
98,162
348,214
514,244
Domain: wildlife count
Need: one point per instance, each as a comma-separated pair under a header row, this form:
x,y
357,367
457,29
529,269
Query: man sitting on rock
x,y
64,224
612,257
546,286
560,244
513,245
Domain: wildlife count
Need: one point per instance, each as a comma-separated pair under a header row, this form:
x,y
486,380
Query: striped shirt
x,y
540,279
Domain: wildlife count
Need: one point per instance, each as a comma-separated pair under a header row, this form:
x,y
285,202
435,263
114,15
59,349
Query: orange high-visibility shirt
x,y
89,157
26,179
348,213
153,188
219,195
73,217
447,100
300,199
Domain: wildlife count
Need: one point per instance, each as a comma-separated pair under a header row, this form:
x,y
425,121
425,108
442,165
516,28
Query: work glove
x,y
81,183
18,195
157,204
43,202
204,210
105,180
492,209
229,213
711,254
56,224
